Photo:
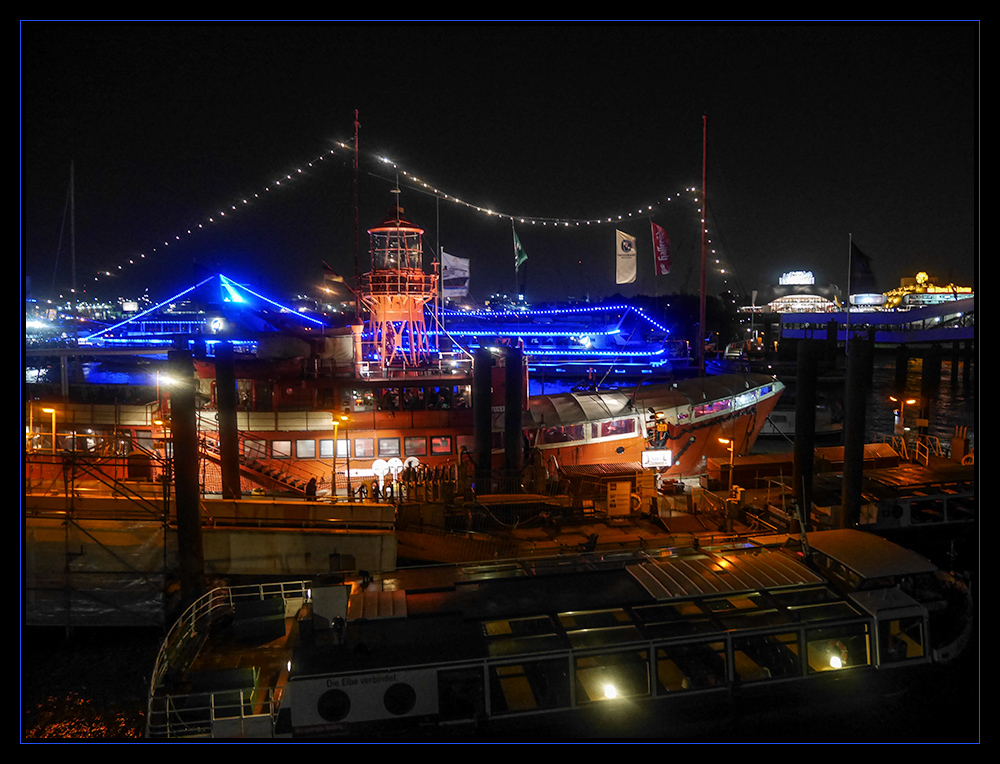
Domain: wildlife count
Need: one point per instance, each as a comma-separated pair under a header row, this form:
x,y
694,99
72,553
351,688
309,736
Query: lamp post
x,y
732,455
901,420
347,438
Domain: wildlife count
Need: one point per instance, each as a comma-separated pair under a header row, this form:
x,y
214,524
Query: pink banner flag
x,y
661,250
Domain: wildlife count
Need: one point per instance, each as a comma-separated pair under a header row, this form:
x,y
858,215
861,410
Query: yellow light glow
x,y
610,691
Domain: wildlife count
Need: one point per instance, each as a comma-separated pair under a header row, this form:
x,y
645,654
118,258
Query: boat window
x,y
767,656
364,448
593,619
256,449
388,399
754,619
606,676
461,694
745,399
699,666
333,705
734,602
357,400
388,447
901,639
713,407
566,434
281,449
676,619
529,686
827,611
441,445
612,427
343,448
837,647
415,446
927,511
326,448
962,508
305,449
399,699
810,596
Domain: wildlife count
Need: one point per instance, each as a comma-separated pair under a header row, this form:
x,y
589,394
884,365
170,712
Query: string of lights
x,y
301,172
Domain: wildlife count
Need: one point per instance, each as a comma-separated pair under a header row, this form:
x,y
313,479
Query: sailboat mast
x,y
704,212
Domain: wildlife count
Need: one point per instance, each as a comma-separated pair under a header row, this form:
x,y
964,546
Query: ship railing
x,y
247,712
926,447
186,636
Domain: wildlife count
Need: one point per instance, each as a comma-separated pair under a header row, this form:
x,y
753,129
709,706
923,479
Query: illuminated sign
x,y
657,458
797,277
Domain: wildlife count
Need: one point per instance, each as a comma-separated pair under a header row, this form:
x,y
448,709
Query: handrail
x,y
198,619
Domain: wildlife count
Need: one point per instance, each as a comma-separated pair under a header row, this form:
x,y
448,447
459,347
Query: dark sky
x,y
815,133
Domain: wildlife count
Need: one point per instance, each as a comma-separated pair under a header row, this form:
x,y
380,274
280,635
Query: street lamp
x,y
732,455
347,439
901,421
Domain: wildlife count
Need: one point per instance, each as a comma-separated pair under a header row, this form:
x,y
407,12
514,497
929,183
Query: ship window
x,y
388,446
461,694
961,508
305,449
399,699
529,686
767,656
333,705
415,446
364,448
441,445
593,619
927,511
326,448
281,449
256,449
837,647
608,676
699,666
713,407
613,427
565,434
343,448
901,639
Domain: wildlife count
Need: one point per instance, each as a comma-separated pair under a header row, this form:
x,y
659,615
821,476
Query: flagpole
x,y
847,302
514,245
704,213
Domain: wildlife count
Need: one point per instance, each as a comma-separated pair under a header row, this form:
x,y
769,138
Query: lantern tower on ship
x,y
396,292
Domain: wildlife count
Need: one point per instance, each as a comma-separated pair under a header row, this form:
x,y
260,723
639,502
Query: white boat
x,y
606,639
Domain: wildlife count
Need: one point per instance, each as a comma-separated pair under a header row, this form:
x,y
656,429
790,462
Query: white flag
x,y
454,276
626,258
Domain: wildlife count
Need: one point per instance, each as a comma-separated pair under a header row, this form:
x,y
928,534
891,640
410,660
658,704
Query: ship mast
x,y
704,214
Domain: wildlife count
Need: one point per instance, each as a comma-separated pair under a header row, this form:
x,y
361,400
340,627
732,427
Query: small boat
x,y
600,641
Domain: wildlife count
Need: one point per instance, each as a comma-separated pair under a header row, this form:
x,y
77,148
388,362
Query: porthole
x,y
399,699
334,705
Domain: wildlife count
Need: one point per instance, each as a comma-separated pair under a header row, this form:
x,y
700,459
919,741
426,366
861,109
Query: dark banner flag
x,y
661,250
862,276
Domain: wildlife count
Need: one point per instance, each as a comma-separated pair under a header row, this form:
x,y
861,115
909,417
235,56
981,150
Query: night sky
x,y
815,133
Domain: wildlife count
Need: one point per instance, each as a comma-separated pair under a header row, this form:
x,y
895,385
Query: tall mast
x,y
357,224
704,213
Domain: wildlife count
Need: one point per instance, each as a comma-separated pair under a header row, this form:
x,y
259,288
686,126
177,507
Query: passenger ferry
x,y
533,644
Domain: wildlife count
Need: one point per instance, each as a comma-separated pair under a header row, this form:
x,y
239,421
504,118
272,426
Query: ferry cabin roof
x,y
502,610
570,408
